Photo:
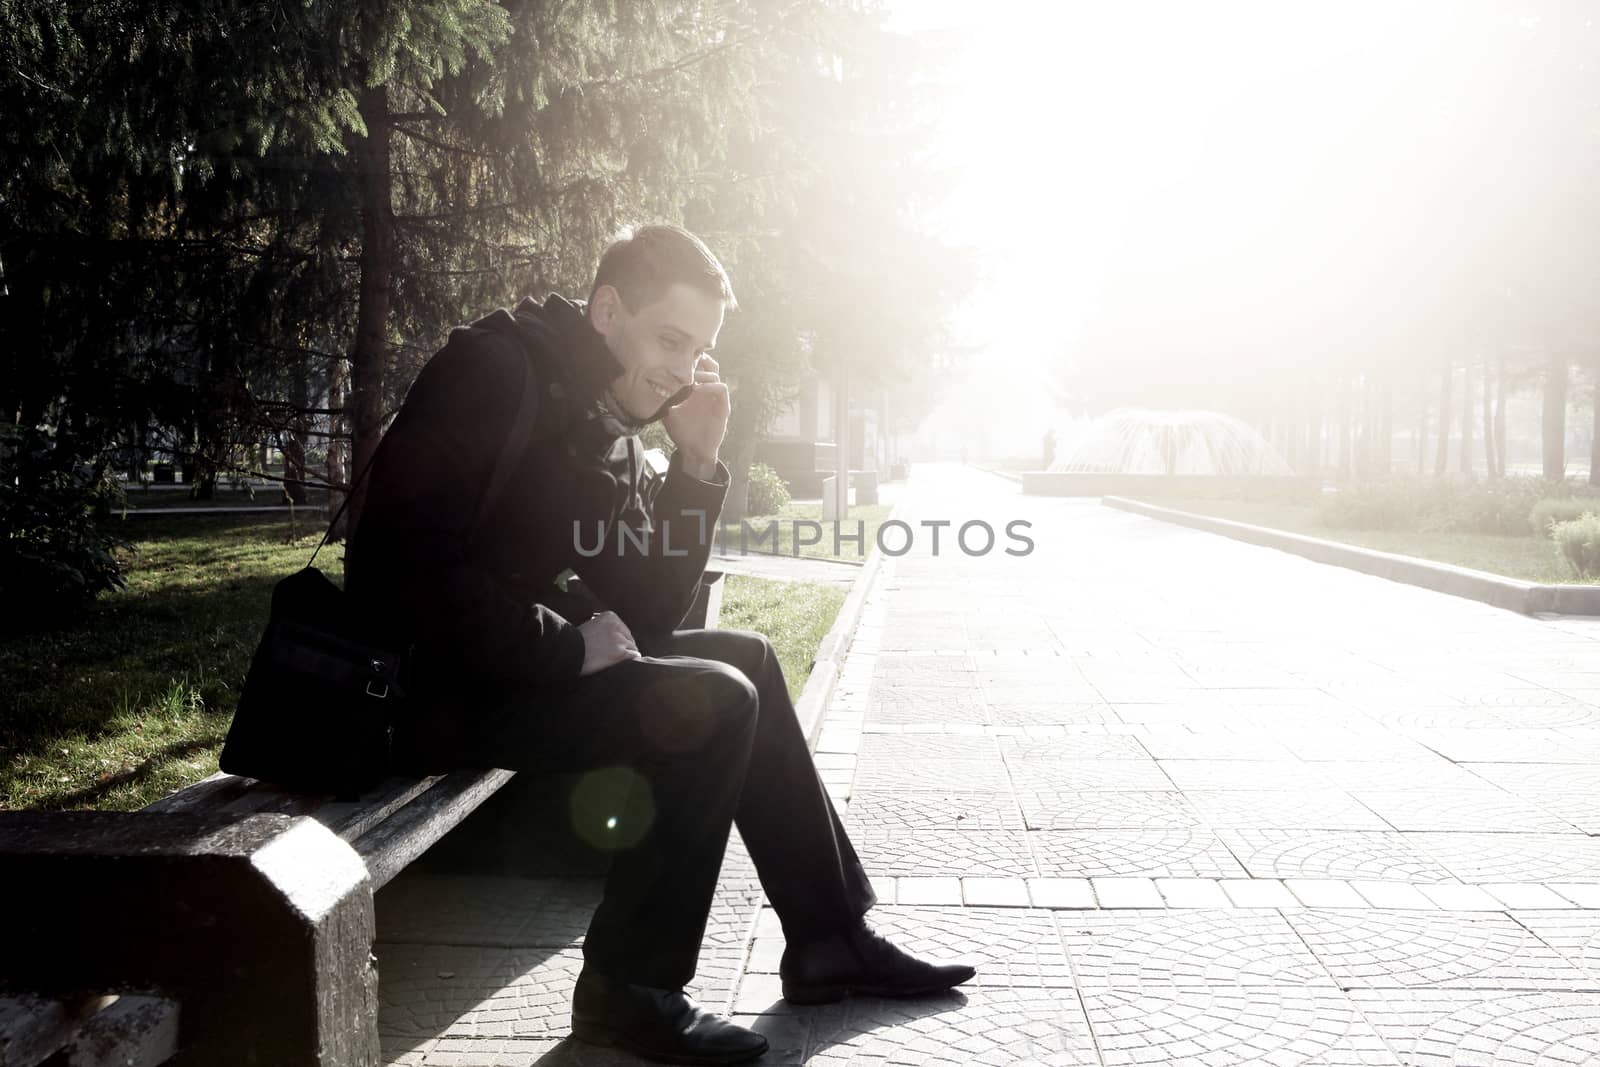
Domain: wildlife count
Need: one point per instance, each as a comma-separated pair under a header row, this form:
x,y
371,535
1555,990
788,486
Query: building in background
x,y
885,422
801,444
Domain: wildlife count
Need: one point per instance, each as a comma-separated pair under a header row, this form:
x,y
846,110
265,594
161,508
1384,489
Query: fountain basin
x,y
1130,451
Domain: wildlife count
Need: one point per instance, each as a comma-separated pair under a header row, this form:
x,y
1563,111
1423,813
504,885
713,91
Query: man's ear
x,y
604,310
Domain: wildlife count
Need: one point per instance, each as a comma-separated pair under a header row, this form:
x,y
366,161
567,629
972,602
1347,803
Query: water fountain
x,y
1130,448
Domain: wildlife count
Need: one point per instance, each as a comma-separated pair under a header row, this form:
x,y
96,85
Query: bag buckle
x,y
378,667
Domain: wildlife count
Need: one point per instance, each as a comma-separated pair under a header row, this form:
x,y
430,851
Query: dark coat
x,y
485,615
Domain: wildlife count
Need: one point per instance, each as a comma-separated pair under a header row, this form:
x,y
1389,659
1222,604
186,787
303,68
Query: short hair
x,y
643,265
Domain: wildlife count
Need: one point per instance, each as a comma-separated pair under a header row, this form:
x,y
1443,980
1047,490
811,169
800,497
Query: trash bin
x,y
866,487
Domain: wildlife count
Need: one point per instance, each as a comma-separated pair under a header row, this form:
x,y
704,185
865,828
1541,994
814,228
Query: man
x,y
504,679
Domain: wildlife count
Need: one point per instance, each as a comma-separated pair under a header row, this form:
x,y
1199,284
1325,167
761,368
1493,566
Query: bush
x,y
1370,506
1557,509
768,492
57,551
1496,507
1579,541
1503,506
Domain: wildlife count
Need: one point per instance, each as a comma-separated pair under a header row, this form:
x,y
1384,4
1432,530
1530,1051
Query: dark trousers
x,y
703,731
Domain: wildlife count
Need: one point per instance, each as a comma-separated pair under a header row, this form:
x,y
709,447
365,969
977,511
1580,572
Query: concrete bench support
x,y
261,927
865,483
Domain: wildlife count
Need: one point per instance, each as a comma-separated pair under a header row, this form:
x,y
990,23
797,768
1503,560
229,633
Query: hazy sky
x,y
1198,139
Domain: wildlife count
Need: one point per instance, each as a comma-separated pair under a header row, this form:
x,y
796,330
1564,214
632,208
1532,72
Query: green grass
x,y
795,616
135,700
1529,559
225,497
782,522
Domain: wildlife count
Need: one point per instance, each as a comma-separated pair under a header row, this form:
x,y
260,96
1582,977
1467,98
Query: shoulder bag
x,y
319,703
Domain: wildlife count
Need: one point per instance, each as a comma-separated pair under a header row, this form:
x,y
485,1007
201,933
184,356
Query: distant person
x,y
505,678
963,454
1049,448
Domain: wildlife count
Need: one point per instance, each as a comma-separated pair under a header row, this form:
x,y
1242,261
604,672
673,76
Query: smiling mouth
x,y
671,397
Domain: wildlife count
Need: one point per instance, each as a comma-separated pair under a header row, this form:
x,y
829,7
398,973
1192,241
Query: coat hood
x,y
561,328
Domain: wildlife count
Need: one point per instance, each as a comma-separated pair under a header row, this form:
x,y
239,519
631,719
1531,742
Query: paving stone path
x,y
1183,800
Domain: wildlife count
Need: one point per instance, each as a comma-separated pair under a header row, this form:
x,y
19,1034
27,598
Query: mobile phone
x,y
673,401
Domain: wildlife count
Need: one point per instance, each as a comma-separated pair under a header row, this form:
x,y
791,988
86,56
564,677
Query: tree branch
x,y
463,213
441,146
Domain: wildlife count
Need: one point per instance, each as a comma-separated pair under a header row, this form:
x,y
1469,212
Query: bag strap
x,y
337,515
521,431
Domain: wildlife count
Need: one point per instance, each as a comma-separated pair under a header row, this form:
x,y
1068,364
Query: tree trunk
x,y
1441,460
293,441
202,482
1422,429
1553,424
369,354
841,434
1491,463
1594,436
1344,429
338,458
1291,443
205,486
1314,439
736,505
138,450
1386,428
1466,419
1500,415
1363,436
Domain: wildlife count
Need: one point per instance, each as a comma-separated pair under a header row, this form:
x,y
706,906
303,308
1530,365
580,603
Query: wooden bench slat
x,y
136,1031
296,804
348,818
389,826
352,818
256,797
269,799
408,832
217,790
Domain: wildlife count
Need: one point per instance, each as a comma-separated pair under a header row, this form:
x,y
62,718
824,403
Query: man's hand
x,y
606,641
698,425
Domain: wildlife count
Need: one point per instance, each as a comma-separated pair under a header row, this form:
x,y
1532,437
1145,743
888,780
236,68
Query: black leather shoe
x,y
861,960
658,1024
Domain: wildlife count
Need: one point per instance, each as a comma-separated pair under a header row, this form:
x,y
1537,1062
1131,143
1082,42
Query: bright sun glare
x,y
1206,169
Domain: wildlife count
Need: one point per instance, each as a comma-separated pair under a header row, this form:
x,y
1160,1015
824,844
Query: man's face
x,y
658,343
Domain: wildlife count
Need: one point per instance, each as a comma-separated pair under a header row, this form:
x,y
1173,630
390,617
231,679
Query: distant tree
x,y
821,211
